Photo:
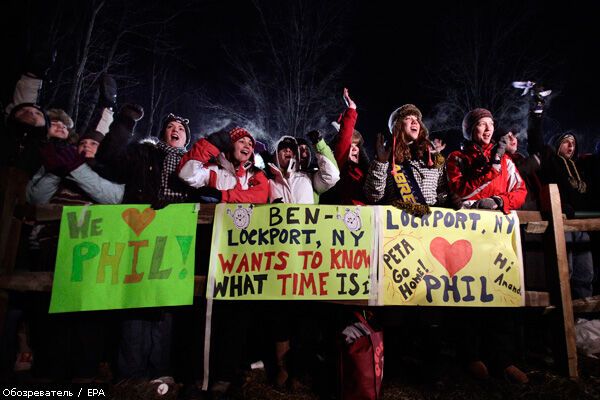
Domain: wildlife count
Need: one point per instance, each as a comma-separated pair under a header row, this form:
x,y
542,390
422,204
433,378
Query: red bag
x,y
361,365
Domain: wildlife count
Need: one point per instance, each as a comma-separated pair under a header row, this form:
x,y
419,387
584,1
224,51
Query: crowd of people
x,y
109,164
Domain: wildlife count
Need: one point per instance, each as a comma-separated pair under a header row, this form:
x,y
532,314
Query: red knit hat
x,y
471,120
237,133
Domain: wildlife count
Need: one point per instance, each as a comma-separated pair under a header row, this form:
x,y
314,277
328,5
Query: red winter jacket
x,y
349,189
472,177
244,184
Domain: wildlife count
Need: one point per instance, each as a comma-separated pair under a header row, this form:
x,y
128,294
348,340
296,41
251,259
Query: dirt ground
x,y
407,376
402,385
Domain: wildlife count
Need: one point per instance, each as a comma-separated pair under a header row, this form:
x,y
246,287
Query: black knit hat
x,y
558,139
183,121
93,135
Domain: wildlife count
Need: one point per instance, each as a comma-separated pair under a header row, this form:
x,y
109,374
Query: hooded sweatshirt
x,y
567,174
295,186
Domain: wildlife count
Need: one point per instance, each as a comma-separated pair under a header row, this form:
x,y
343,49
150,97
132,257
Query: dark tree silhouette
x,y
286,77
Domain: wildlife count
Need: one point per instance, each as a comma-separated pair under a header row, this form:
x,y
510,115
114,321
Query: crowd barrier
x,y
549,222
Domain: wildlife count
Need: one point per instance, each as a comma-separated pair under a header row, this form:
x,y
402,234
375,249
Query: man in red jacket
x,y
482,174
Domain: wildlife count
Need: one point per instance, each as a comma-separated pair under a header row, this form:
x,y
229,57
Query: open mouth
x,y
174,136
245,152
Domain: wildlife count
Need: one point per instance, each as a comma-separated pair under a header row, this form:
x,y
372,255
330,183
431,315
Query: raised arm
x,y
378,169
192,167
347,123
113,150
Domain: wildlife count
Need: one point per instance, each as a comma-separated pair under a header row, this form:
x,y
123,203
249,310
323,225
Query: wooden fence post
x,y
556,255
12,192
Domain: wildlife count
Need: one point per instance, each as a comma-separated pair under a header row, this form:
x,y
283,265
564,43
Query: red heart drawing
x,y
453,256
138,221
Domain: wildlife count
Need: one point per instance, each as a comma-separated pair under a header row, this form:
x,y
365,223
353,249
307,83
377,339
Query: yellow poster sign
x,y
450,258
287,252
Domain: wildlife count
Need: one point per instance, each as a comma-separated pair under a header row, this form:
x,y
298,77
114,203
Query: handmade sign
x,y
450,258
285,252
124,256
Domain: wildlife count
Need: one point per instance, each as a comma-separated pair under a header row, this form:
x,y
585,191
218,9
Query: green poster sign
x,y
124,256
291,252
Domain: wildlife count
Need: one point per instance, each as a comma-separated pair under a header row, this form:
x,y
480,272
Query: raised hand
x,y
108,91
382,151
133,111
349,102
314,136
221,140
500,149
438,145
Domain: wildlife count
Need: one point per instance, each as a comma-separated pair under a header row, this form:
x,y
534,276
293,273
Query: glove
x,y
132,111
500,149
382,151
207,194
347,100
260,147
60,160
488,203
314,136
159,204
40,60
455,201
108,92
221,140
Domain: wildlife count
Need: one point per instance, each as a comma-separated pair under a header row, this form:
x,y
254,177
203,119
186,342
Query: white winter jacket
x,y
293,186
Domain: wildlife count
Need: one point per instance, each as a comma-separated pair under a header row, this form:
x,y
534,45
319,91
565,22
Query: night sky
x,y
396,53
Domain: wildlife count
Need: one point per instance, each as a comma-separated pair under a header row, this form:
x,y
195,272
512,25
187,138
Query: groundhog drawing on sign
x,y
351,219
241,216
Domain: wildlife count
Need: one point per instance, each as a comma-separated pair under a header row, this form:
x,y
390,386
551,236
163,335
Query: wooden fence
x,y
549,222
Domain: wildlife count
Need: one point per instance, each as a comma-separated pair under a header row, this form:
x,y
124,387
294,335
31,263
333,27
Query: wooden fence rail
x,y
549,222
